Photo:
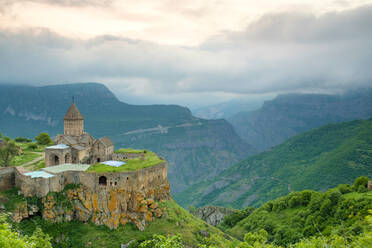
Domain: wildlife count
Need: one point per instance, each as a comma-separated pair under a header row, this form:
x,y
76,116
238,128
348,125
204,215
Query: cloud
x,y
282,52
70,3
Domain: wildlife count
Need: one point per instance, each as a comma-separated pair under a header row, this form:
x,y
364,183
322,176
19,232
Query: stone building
x,y
76,146
109,197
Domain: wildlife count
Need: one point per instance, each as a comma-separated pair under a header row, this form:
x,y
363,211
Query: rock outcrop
x,y
110,208
212,215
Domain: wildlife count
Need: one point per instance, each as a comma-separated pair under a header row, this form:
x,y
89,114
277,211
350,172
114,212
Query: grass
x,y
24,146
36,166
177,220
25,157
151,159
129,150
11,199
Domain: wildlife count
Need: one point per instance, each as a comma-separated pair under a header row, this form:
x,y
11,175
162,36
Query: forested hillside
x,y
318,160
337,216
196,149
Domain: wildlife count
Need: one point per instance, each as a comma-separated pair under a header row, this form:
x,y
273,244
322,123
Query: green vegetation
x,y
24,158
11,199
129,150
76,234
7,153
43,139
11,238
11,155
317,160
307,214
22,140
151,159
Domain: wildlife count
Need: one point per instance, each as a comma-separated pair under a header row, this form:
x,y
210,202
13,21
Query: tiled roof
x,y
106,141
80,148
59,146
73,113
66,167
70,140
36,174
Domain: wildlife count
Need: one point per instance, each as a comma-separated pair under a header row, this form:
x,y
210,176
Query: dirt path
x,y
33,161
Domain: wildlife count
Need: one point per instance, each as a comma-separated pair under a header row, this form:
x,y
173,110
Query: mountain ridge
x,y
290,114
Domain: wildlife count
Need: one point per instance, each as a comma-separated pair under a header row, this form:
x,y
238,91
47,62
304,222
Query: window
x,y
102,180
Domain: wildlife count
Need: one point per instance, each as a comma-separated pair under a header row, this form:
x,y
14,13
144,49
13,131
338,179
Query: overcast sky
x,y
189,52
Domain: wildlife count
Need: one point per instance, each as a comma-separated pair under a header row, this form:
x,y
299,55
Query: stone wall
x,y
124,156
62,154
7,178
139,180
125,197
73,127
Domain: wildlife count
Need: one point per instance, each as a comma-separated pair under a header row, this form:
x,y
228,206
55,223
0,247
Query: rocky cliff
x,y
213,215
110,208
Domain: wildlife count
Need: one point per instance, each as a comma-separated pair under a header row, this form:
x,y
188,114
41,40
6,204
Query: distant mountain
x,y
318,159
196,149
227,109
288,115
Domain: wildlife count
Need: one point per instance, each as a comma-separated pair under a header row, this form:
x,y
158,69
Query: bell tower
x,y
73,121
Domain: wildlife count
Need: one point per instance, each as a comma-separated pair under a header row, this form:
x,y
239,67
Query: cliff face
x,y
110,208
213,215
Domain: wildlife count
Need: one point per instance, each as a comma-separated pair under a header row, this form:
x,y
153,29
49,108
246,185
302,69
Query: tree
x,y
360,181
32,146
7,153
7,139
1,135
43,139
22,140
10,238
159,241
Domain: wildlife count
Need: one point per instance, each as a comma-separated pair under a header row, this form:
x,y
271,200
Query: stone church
x,y
76,146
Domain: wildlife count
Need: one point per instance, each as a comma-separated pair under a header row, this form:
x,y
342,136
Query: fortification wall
x,y
7,178
140,180
37,186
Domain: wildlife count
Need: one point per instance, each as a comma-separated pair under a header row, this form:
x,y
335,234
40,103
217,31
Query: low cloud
x,y
285,52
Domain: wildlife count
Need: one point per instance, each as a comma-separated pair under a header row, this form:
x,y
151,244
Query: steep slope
x,y
305,214
288,115
318,159
195,149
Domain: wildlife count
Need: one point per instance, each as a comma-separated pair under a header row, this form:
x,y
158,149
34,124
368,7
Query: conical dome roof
x,y
73,113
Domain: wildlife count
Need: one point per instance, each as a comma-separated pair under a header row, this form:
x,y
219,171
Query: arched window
x,y
102,180
68,158
56,160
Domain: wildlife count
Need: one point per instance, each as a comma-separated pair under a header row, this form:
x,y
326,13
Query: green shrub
x,y
43,139
345,188
22,140
362,189
32,146
360,181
